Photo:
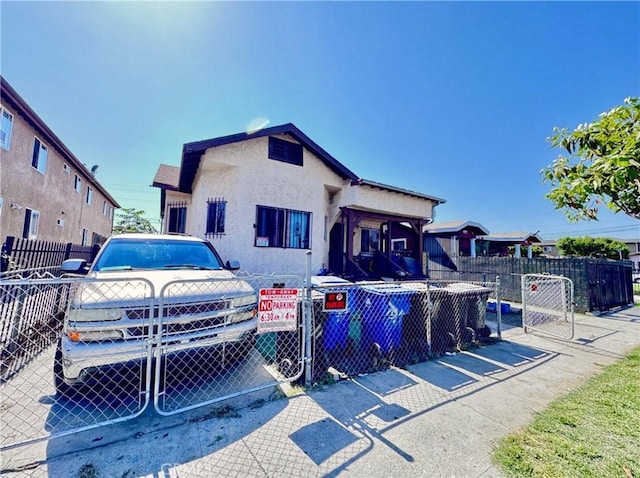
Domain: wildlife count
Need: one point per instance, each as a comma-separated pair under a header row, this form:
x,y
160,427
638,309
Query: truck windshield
x,y
130,254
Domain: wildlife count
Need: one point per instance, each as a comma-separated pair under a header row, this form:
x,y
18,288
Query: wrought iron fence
x,y
27,257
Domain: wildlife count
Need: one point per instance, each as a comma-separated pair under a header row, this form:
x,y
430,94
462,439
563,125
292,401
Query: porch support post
x,y
530,251
518,253
473,246
388,240
349,242
420,247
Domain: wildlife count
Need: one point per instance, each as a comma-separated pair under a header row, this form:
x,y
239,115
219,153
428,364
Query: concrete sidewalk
x,y
438,418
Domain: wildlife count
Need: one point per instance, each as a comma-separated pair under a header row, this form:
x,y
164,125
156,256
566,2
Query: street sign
x,y
334,301
277,310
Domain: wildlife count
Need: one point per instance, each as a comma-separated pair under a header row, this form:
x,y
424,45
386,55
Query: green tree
x,y
602,166
130,220
536,251
592,247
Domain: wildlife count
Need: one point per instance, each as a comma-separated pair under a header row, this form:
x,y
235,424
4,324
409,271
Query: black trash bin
x,y
416,326
443,327
469,304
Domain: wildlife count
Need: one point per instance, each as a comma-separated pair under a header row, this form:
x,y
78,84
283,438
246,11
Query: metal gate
x,y
547,305
128,344
38,353
240,355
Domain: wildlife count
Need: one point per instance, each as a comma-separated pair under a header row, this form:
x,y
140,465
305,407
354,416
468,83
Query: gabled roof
x,y
386,187
11,97
167,177
454,226
192,152
512,237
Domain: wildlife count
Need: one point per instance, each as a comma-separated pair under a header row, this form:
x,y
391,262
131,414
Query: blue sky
x,y
451,99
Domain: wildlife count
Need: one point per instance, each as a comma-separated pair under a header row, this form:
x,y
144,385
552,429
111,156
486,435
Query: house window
x,y
0,207
105,208
39,159
60,222
369,240
89,198
177,218
31,221
282,228
216,209
110,212
85,237
285,151
398,244
66,168
5,129
77,183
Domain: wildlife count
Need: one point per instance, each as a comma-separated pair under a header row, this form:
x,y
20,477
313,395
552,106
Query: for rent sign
x,y
277,310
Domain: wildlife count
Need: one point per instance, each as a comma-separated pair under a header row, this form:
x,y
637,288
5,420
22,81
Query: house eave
x,y
407,192
192,152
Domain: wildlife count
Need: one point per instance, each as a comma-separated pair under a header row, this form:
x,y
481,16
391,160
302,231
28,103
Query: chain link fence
x,y
397,324
79,353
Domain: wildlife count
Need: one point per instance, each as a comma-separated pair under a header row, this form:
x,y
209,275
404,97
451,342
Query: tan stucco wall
x,y
243,175
373,199
50,193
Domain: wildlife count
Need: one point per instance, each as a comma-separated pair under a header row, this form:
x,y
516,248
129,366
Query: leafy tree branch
x,y
600,166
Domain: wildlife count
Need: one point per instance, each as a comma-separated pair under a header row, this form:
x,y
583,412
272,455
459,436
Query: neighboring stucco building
x,y
46,193
266,198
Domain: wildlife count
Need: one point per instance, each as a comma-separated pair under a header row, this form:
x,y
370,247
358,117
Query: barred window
x,y
282,228
216,212
177,217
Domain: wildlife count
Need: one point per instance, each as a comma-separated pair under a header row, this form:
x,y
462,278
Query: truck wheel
x,y
62,388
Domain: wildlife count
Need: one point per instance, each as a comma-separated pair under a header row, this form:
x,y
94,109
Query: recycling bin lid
x,y
417,286
466,287
383,288
328,280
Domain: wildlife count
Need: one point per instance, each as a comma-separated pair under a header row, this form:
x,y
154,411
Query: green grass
x,y
593,431
636,288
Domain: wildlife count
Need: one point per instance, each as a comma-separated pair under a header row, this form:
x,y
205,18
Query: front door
x,y
336,248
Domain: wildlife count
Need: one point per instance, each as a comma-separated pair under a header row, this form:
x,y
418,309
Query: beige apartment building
x,y
46,193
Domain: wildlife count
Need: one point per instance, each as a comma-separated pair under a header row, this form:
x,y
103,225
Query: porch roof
x,y
513,237
455,226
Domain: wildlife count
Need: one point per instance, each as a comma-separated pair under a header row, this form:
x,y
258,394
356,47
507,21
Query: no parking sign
x,y
277,310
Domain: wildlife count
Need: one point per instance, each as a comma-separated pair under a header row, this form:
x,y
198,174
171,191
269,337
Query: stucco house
x,y
267,197
498,243
46,193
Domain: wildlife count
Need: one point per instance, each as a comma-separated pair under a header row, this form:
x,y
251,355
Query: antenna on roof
x,y
94,168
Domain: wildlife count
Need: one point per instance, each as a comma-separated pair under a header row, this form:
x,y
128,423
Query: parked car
x,y
203,304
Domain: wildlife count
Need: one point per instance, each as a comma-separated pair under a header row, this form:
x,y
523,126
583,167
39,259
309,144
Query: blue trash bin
x,y
383,309
334,325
